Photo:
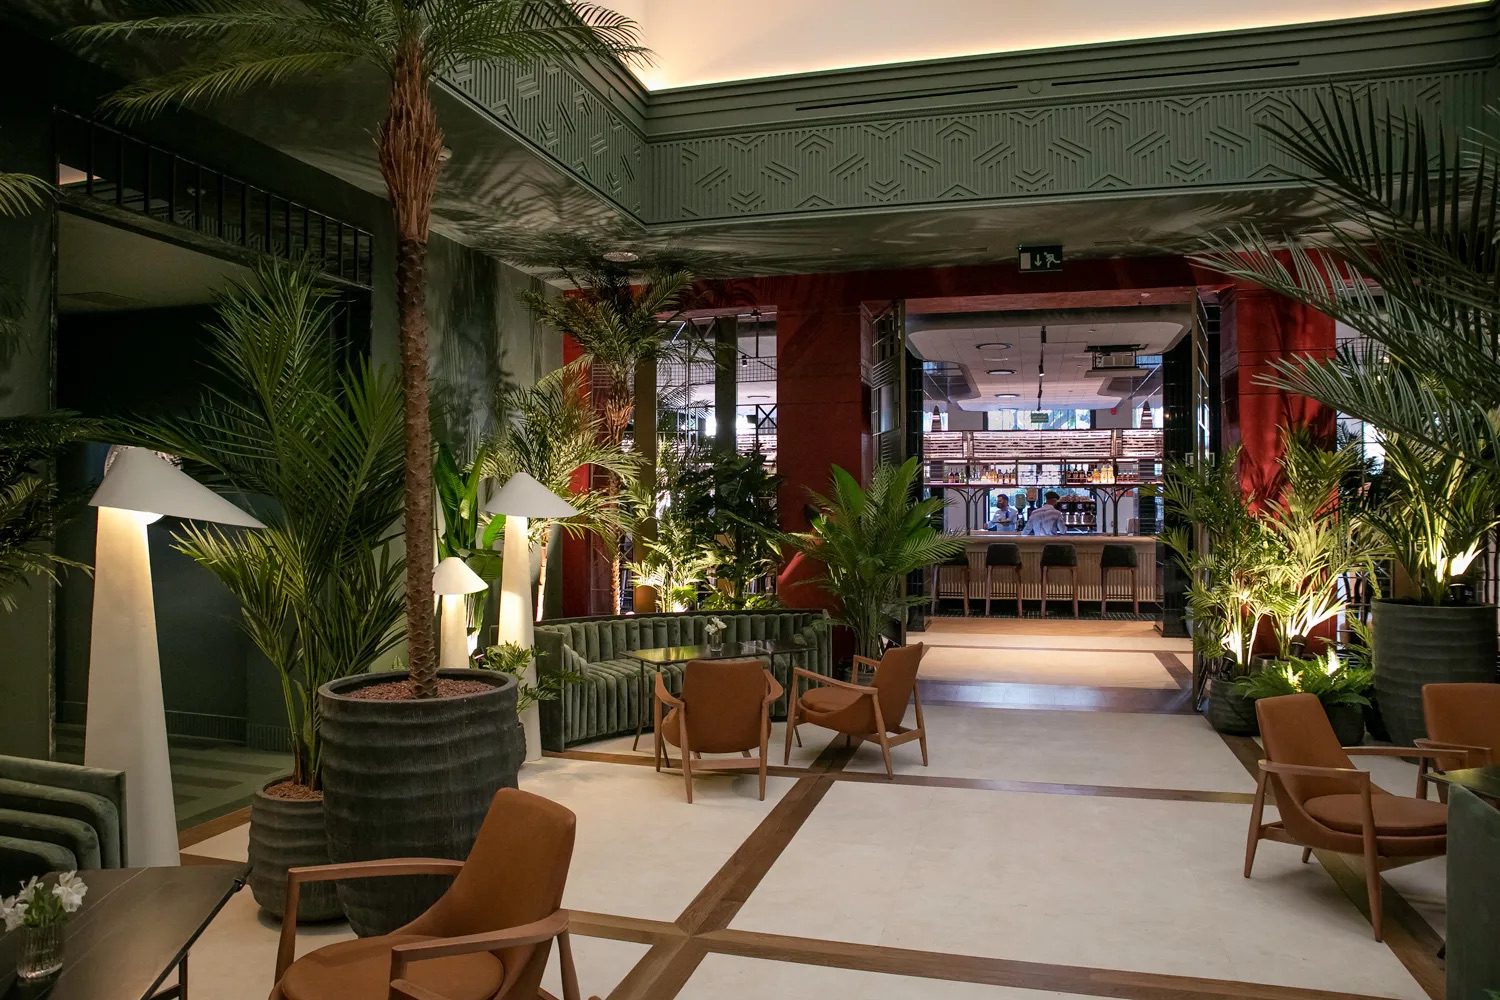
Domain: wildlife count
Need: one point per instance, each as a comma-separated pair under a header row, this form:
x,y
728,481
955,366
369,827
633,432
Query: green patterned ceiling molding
x,y
1134,144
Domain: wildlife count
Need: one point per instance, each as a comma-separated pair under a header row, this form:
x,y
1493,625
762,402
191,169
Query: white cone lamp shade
x,y
451,581
126,727
522,497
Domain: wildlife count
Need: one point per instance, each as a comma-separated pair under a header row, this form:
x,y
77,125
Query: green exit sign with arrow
x,y
1036,257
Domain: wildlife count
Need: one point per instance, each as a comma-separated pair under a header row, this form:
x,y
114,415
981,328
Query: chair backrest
x,y
514,875
1295,730
895,679
1464,713
724,700
1002,554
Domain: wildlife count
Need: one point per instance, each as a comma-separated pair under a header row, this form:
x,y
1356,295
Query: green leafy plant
x,y
1333,681
235,47
512,658
719,601
1407,256
20,194
320,447
1435,510
31,506
868,541
1224,550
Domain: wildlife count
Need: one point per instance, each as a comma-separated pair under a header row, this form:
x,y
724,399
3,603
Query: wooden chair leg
x,y
921,724
885,752
966,591
791,720
1073,581
1018,592
989,589
1256,811
687,753
1135,593
936,576
1306,855
1422,778
1372,880
1046,576
569,971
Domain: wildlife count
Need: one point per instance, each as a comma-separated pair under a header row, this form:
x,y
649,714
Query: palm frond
x,y
20,193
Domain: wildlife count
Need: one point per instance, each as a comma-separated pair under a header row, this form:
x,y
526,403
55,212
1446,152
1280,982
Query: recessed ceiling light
x,y
994,345
1007,395
621,256
1001,371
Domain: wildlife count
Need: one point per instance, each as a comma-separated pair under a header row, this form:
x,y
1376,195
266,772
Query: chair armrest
x,y
862,661
1439,748
663,695
511,937
774,690
820,679
1392,752
354,869
1311,771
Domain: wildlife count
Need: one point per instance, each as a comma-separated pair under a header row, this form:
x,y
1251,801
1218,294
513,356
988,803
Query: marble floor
x,y
1078,833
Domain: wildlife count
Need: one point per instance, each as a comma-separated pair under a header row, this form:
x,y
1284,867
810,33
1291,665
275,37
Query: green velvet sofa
x,y
57,817
608,700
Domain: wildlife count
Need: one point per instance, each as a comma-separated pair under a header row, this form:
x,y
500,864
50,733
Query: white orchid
x,y
70,891
35,905
13,909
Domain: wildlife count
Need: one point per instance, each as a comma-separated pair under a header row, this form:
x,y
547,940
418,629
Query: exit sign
x,y
1041,258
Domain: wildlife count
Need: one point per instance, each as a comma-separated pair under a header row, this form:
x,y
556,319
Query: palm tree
x,y
19,194
1409,259
320,588
31,506
239,46
869,541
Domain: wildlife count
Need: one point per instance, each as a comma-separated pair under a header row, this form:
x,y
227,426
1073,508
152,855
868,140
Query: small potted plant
x,y
713,630
41,912
512,659
1343,687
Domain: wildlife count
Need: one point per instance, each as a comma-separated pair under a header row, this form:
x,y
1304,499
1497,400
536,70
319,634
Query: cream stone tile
x,y
1093,668
1138,750
231,845
1132,884
600,962
729,977
802,756
235,959
642,850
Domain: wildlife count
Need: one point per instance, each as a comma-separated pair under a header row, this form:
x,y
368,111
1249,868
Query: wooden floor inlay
x,y
1049,787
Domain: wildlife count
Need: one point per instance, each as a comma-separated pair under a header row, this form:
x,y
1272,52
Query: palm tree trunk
x,y
410,144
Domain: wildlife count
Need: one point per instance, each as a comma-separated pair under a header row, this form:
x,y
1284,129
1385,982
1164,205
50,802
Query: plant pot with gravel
x,y
286,831
407,776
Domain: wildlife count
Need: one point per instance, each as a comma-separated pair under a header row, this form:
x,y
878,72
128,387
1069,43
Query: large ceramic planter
x,y
1348,722
1228,712
288,833
410,778
1417,644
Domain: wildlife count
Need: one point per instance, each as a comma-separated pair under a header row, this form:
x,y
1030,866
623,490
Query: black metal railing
x,y
108,165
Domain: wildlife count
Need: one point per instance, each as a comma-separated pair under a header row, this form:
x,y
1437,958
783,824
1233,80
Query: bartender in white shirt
x,y
1004,516
1046,519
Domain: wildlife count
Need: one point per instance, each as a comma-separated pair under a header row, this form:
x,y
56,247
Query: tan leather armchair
x,y
486,938
725,708
873,712
1326,803
1463,721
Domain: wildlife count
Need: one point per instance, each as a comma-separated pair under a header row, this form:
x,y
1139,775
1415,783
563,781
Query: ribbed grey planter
x,y
1417,644
411,779
1348,723
1229,713
288,833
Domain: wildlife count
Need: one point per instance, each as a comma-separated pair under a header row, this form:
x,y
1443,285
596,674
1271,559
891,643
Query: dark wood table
x,y
1482,781
662,656
135,926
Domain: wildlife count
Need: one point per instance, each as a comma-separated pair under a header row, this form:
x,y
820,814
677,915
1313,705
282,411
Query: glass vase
x,y
716,640
41,951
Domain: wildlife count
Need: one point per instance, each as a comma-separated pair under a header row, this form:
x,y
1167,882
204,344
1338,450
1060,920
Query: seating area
x,y
666,500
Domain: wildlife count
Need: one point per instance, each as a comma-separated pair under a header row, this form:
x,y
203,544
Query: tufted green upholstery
x,y
608,702
56,816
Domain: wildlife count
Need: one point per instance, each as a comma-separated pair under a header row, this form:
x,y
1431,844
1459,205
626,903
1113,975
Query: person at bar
x,y
1046,519
1003,517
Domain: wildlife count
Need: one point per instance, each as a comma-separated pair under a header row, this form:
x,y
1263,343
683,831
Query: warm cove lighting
x,y
697,42
126,727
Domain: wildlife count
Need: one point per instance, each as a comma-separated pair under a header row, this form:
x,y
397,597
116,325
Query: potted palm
x,y
1437,515
1224,551
318,448
868,541
1408,264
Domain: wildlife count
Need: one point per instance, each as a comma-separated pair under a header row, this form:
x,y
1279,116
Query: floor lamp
x,y
521,498
452,581
126,726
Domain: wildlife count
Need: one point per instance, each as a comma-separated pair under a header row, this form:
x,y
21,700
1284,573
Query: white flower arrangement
x,y
715,625
34,906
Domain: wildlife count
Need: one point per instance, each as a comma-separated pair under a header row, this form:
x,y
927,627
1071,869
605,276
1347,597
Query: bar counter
x,y
1089,546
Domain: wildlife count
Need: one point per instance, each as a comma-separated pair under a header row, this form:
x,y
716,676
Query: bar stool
x,y
962,559
1001,555
1117,557
1060,555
